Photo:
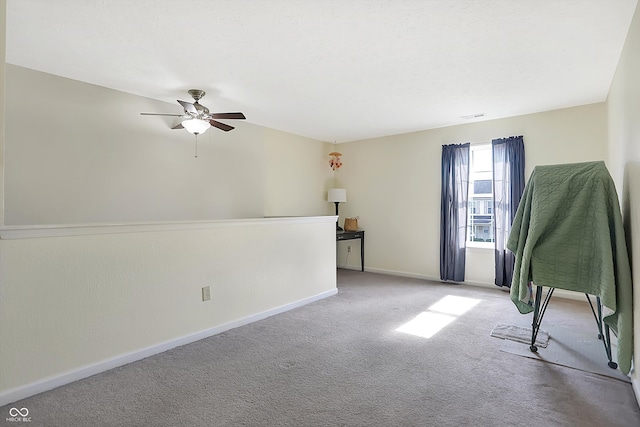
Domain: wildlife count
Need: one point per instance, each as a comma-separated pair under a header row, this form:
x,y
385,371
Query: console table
x,y
350,235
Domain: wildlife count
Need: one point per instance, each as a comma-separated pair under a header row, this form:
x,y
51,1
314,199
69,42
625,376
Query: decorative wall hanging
x,y
335,162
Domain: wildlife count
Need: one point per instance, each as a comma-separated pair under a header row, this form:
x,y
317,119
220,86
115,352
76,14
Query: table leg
x,y
362,253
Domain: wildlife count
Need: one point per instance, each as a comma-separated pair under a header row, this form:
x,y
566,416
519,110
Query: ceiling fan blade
x,y
161,114
239,116
221,126
188,107
178,126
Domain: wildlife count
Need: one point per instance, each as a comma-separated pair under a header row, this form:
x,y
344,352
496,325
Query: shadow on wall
x,y
630,199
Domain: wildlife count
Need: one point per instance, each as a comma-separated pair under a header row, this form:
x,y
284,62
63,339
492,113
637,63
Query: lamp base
x,y
338,228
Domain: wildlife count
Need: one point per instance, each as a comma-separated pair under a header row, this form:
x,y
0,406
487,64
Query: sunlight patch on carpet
x,y
426,324
439,315
454,305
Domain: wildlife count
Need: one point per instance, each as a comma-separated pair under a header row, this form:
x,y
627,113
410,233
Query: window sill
x,y
479,245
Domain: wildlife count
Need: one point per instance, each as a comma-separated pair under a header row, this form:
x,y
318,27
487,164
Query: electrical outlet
x,y
349,249
206,293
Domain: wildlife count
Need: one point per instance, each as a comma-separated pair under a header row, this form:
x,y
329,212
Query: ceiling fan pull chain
x,y
196,145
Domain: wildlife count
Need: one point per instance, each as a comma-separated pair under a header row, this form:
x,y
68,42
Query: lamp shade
x,y
196,126
337,195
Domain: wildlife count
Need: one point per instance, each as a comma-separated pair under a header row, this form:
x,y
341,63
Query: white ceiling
x,y
328,69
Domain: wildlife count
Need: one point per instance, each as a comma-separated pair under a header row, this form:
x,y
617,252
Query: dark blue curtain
x,y
453,211
508,185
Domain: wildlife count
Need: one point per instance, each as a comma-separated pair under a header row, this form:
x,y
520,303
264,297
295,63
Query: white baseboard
x,y
22,392
391,272
635,385
560,293
418,276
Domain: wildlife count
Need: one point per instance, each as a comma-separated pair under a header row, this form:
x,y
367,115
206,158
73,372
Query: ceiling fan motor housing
x,y
203,111
196,94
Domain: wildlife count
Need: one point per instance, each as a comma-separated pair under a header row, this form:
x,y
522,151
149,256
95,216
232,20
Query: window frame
x,y
470,243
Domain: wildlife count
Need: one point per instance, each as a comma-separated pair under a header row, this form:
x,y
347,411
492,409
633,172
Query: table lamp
x,y
337,195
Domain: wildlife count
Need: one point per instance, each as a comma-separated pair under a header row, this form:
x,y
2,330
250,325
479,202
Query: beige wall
x,y
76,305
298,175
623,106
92,158
393,184
91,302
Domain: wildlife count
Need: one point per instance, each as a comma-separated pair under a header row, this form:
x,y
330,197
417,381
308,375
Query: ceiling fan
x,y
197,118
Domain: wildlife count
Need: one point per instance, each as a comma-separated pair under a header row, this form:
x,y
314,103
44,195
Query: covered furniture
x,y
568,234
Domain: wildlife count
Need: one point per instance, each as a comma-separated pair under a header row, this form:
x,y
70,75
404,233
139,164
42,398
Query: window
x,y
480,212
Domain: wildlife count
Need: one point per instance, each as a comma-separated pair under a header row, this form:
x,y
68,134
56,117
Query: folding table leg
x,y
538,314
603,334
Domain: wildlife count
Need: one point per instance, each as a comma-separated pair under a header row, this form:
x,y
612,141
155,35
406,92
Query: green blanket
x,y
568,234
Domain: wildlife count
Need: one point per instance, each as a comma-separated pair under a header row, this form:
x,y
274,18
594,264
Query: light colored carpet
x,y
519,334
360,358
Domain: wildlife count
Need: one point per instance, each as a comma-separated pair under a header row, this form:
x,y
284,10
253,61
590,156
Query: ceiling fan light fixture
x,y
196,126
